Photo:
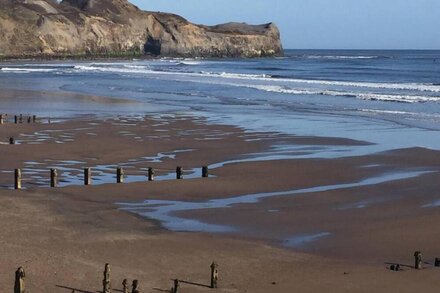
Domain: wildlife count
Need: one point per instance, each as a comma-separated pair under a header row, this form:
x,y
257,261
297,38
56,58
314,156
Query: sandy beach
x,y
290,223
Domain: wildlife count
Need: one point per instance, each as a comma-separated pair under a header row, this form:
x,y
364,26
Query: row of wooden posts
x,y
418,263
88,176
18,119
19,286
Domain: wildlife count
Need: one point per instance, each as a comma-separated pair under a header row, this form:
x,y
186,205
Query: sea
x,y
388,98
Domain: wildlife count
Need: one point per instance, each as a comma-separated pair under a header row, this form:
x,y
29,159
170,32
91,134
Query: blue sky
x,y
324,24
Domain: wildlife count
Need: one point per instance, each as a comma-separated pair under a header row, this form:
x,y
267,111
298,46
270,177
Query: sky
x,y
323,24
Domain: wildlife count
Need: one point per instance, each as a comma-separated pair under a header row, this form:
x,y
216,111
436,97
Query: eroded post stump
x,y
119,175
135,286
150,174
437,262
125,286
418,260
106,285
179,174
87,176
11,140
53,178
19,280
176,286
214,275
205,172
17,179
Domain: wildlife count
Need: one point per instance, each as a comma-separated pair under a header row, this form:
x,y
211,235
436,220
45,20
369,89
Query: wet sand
x,y
338,240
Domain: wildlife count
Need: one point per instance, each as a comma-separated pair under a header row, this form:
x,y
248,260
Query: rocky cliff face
x,y
116,28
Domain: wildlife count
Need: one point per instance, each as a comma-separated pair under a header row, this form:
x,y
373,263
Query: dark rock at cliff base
x,y
116,28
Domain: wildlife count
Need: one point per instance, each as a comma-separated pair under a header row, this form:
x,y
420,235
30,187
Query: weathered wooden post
x,y
437,262
21,118
176,286
11,140
150,174
17,177
418,260
125,286
135,286
214,275
179,173
87,176
119,175
34,118
106,285
19,280
29,120
53,178
2,120
15,119
205,172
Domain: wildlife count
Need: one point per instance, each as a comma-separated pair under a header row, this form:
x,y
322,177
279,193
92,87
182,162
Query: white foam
x,y
359,95
27,69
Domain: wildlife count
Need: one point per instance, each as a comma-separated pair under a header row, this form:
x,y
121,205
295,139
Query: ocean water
x,y
389,98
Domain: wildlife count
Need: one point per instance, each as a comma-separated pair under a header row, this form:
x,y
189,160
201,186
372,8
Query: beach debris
x,y
179,173
418,260
17,179
120,175
106,281
19,280
11,140
395,267
53,178
437,262
214,275
150,174
175,288
87,176
205,172
135,286
125,286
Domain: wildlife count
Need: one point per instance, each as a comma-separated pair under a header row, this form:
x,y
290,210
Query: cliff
x,y
45,28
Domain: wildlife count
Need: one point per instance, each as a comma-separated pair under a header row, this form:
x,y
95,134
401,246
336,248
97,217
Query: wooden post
x,y
119,175
17,181
15,119
176,286
29,120
135,286
205,172
34,118
125,286
150,174
106,281
11,140
21,118
437,262
2,120
214,275
19,280
179,173
53,178
418,260
87,176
